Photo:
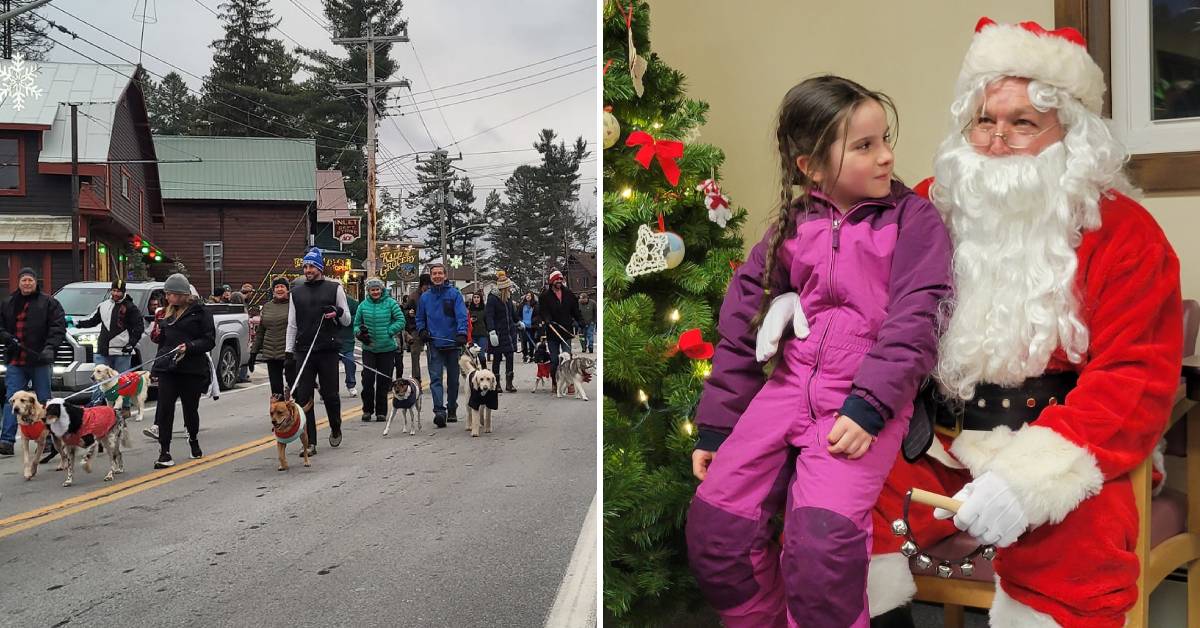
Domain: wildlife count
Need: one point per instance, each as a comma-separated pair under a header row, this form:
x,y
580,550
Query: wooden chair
x,y
1169,530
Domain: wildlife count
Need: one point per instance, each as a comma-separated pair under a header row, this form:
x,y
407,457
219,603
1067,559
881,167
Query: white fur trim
x,y
890,583
1009,50
1049,474
1009,613
1159,463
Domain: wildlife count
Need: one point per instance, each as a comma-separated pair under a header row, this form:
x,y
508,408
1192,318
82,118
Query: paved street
x,y
438,529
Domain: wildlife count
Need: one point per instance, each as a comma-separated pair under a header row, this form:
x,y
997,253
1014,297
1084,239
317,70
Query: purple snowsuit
x,y
870,282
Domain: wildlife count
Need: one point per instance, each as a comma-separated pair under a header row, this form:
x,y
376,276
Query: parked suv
x,y
73,359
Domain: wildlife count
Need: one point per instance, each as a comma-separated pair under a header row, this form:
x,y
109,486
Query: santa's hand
x,y
784,307
990,511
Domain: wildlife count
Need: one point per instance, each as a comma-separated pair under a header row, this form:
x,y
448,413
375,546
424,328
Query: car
x,y
73,361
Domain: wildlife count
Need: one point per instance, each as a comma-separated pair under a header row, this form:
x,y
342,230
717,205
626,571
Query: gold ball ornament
x,y
612,128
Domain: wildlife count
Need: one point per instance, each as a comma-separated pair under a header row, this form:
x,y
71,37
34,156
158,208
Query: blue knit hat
x,y
315,258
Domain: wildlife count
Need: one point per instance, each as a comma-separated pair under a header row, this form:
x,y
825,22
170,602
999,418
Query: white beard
x,y
1015,225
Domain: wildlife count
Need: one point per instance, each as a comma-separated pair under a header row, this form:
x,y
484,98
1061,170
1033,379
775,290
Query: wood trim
x,y
90,170
955,591
32,246
15,126
45,278
1156,172
20,191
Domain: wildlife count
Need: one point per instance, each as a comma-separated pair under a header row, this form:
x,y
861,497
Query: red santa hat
x,y
1058,57
555,276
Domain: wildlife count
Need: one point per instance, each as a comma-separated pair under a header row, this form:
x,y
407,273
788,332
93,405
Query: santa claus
x,y
1061,350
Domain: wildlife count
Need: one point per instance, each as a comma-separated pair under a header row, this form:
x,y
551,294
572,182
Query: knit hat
x,y
1026,50
27,271
375,282
555,276
315,258
280,281
177,284
118,284
503,282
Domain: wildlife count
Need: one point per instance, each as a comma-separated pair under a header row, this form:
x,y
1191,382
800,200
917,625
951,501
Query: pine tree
x,y
650,392
172,107
29,36
520,234
249,90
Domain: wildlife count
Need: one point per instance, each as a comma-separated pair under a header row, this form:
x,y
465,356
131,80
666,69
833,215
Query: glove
x,y
783,307
364,335
990,511
70,320
289,359
48,355
494,338
424,334
127,349
521,325
6,338
461,339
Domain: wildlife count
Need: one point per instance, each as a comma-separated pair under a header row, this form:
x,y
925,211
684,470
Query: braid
x,y
784,224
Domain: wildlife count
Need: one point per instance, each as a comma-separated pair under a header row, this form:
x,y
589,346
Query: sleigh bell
x,y
899,527
944,570
966,568
924,562
989,552
909,549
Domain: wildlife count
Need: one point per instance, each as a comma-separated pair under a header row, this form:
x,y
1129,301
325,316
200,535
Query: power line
x,y
511,89
526,115
528,65
435,102
306,12
475,90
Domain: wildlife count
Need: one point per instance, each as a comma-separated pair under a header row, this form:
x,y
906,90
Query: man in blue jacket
x,y
442,325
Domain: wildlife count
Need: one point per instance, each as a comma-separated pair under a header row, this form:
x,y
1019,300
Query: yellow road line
x,y
38,516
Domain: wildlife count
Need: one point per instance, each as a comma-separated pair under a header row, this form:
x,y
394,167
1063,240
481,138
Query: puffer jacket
x,y
502,318
870,283
194,328
383,319
270,343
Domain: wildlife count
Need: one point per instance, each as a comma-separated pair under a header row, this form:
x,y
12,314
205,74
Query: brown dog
x,y
32,430
287,421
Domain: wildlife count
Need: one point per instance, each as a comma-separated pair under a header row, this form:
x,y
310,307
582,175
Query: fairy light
x,y
642,398
673,316
656,126
688,428
627,192
706,370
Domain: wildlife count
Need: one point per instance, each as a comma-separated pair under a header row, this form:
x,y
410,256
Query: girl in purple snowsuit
x,y
859,263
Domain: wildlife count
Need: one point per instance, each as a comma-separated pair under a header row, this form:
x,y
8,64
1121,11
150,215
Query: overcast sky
x,y
456,41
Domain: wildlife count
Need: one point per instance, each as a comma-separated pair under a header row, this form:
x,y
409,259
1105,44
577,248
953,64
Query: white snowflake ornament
x,y
391,224
18,80
456,261
655,251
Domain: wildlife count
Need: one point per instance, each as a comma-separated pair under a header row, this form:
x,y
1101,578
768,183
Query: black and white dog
x,y
84,429
406,399
573,371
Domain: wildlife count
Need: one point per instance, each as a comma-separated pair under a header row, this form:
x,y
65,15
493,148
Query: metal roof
x,y
331,196
61,83
237,168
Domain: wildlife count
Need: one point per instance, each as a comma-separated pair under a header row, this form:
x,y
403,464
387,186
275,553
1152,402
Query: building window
x,y
12,174
124,184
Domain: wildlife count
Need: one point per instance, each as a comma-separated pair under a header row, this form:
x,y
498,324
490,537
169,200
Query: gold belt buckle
x,y
952,432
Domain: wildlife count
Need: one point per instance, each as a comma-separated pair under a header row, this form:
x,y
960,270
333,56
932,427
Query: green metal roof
x,y
237,168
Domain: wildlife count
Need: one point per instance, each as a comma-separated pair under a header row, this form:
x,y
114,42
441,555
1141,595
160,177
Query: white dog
x,y
572,371
483,399
124,393
406,399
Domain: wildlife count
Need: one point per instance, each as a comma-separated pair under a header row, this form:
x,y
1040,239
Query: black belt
x,y
993,406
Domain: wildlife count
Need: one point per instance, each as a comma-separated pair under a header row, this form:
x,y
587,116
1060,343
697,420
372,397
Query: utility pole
x,y
74,192
8,31
369,41
441,160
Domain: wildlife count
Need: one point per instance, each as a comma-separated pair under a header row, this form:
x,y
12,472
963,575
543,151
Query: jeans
x,y
351,367
482,343
19,378
447,360
526,343
119,363
587,340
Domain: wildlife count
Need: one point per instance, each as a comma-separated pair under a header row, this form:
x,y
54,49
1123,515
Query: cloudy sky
x,y
455,41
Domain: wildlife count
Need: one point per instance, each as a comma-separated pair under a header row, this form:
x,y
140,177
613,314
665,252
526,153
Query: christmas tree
x,y
660,201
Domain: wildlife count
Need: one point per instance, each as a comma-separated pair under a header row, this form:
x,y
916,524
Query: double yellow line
x,y
112,492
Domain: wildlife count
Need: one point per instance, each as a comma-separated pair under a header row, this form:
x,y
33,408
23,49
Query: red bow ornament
x,y
692,344
666,151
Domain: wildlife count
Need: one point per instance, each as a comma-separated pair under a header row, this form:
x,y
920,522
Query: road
x,y
437,529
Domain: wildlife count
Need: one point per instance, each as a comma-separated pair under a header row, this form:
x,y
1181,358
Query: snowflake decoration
x,y
391,224
18,80
650,254
456,261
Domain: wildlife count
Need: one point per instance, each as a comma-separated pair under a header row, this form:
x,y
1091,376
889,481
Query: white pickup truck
x,y
73,360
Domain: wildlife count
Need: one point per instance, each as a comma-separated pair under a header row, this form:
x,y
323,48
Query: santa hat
x,y
1026,50
555,276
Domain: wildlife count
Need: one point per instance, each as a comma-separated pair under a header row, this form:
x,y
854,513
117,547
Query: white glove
x,y
494,338
990,511
521,325
782,308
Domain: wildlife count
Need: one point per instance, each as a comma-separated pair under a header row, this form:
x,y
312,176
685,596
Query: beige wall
x,y
742,56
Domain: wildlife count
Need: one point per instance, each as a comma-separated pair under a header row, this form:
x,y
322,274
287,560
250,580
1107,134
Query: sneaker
x,y
351,391
196,453
439,420
164,461
451,418
335,439
380,418
151,432
312,450
6,449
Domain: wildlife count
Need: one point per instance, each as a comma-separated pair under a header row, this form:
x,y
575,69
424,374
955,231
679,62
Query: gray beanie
x,y
178,284
375,282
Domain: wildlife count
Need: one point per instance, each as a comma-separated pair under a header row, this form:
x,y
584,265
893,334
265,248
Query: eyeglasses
x,y
980,135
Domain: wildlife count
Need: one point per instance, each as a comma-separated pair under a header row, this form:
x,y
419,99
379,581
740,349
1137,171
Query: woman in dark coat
x,y
186,332
479,327
502,319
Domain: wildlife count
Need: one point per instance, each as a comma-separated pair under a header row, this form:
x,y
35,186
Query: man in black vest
x,y
316,310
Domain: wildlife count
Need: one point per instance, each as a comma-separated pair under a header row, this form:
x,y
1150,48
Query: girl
x,y
186,326
868,261
271,338
377,320
528,311
476,309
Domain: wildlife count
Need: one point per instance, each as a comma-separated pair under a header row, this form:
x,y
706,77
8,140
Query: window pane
x,y
1176,48
10,169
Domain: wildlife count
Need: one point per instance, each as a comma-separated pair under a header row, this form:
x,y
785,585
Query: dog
x,y
31,432
288,422
84,429
483,399
406,399
573,371
541,355
469,360
127,392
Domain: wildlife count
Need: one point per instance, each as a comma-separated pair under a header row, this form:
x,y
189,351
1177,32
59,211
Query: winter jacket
x,y
559,314
307,325
478,323
271,340
346,334
442,313
384,319
410,322
194,328
528,311
502,318
870,282
121,325
45,328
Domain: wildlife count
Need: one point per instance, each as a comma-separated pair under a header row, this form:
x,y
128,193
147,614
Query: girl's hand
x,y
700,461
848,438
181,348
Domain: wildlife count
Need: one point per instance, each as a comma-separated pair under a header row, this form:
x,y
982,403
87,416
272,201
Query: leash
x,y
350,356
306,356
100,383
552,324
